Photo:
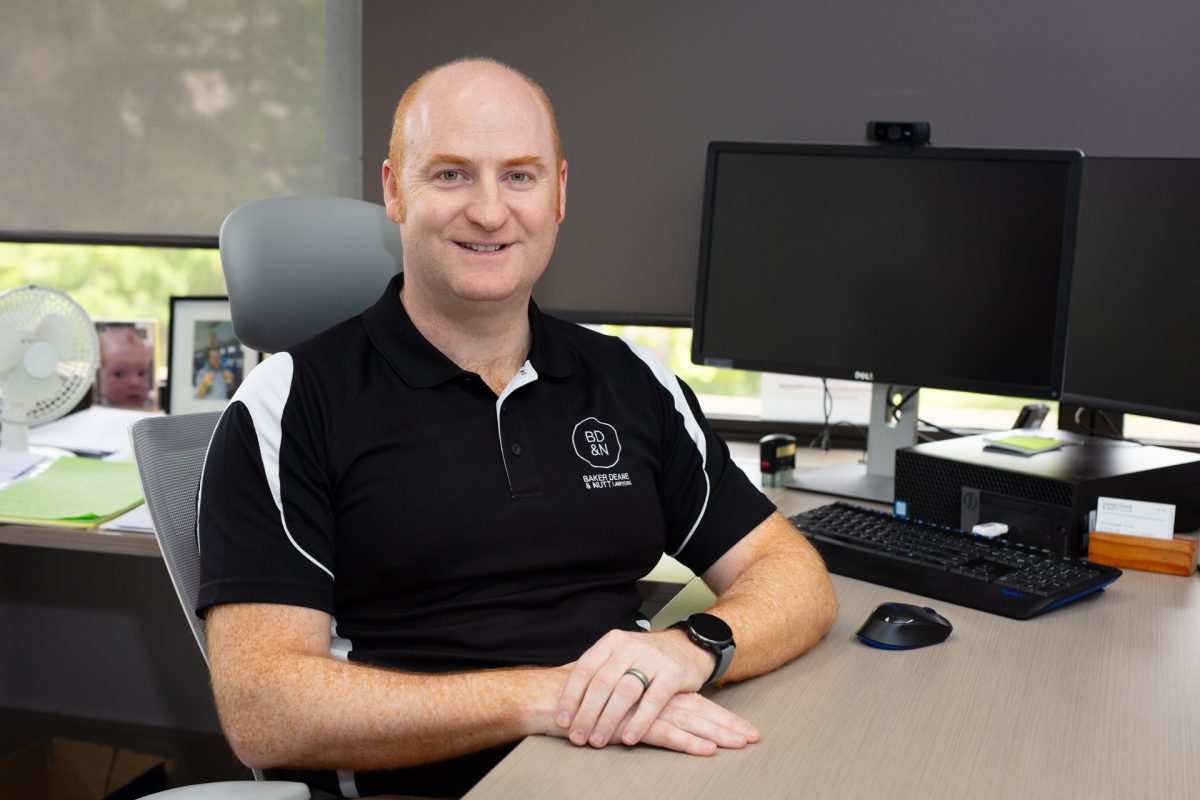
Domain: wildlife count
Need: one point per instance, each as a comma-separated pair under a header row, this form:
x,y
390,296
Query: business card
x,y
1135,517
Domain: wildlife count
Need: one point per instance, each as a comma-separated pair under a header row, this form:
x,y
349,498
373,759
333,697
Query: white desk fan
x,y
48,357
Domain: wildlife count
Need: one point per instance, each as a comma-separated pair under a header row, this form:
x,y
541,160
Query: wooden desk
x,y
125,543
1098,699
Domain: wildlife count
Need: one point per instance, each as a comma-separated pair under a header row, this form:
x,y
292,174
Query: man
x,y
213,382
421,530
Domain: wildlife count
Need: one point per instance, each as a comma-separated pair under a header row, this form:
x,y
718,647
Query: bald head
x,y
460,80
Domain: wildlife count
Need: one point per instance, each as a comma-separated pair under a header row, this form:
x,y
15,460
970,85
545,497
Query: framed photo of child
x,y
125,377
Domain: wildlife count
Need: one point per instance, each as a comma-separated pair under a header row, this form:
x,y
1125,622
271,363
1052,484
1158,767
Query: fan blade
x,y
11,344
58,331
20,389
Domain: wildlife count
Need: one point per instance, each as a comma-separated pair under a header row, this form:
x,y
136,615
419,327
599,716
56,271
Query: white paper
x,y
1135,518
802,399
94,430
136,519
14,463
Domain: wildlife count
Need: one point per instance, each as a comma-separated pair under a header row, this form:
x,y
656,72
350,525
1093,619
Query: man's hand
x,y
601,700
204,385
692,724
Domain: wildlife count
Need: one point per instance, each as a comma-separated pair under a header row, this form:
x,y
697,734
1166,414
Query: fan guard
x,y
48,355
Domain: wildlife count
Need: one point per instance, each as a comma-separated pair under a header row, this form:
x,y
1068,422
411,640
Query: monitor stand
x,y
874,480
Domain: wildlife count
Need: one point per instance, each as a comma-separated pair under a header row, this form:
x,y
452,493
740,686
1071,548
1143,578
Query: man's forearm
x,y
779,605
283,707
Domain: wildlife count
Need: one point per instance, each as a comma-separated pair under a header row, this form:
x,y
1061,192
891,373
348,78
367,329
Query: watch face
x,y
710,627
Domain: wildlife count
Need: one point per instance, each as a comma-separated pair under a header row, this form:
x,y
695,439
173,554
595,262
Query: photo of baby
x,y
125,377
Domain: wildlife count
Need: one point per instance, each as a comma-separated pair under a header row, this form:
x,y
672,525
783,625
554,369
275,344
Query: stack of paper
x,y
137,520
96,431
14,464
72,493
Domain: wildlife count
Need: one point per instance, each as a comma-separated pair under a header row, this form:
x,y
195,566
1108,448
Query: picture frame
x,y
206,362
126,374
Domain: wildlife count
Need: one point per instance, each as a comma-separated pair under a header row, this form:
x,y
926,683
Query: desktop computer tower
x,y
1045,499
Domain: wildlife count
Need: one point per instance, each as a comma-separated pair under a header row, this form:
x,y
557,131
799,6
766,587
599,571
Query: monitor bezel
x,y
1130,407
1052,389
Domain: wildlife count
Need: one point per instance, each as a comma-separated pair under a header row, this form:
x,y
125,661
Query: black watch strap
x,y
713,634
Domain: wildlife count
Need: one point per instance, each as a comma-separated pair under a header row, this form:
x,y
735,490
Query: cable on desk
x,y
950,431
1115,434
894,408
823,437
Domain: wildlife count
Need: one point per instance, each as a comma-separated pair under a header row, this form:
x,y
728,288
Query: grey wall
x,y
641,87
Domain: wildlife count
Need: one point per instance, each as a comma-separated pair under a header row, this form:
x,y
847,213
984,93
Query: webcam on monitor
x,y
908,134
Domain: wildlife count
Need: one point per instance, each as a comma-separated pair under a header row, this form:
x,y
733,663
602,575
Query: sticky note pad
x,y
1023,445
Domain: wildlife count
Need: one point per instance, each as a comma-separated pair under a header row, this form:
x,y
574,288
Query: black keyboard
x,y
946,563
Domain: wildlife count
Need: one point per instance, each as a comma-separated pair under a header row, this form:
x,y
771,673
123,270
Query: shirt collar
x,y
422,365
551,354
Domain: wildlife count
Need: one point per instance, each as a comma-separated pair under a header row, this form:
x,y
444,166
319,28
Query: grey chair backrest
x,y
295,266
169,453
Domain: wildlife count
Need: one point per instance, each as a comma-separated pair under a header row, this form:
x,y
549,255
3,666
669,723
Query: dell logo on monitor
x,y
863,375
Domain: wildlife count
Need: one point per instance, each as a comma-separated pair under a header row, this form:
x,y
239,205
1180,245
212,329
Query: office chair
x,y
169,453
298,265
294,267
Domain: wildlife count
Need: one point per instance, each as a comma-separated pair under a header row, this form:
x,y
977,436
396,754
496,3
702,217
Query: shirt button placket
x,y
520,463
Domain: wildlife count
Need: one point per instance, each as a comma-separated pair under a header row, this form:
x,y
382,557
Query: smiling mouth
x,y
482,248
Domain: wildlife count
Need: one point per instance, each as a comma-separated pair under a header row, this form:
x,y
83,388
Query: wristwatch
x,y
711,633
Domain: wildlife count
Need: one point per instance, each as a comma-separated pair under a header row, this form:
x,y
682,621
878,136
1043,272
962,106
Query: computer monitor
x,y
1132,346
934,267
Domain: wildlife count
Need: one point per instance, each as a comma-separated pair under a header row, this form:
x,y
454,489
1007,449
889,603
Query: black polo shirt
x,y
364,474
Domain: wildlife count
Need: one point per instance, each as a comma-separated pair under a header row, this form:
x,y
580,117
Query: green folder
x,y
72,493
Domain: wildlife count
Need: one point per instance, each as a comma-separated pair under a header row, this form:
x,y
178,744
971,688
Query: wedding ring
x,y
641,676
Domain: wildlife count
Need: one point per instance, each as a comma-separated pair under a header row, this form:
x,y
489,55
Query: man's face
x,y
483,196
214,359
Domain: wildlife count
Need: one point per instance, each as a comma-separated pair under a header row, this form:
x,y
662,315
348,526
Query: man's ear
x,y
391,194
562,191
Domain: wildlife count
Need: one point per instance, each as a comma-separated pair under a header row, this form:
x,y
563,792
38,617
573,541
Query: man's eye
x,y
520,177
449,175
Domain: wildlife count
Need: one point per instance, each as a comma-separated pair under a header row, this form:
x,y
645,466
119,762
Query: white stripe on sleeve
x,y
265,394
671,383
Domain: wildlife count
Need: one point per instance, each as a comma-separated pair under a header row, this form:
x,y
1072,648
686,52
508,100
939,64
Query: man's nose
x,y
487,208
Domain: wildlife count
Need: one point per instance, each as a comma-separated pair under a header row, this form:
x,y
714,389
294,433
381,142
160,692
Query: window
x,y
1154,431
113,281
729,393
738,393
722,392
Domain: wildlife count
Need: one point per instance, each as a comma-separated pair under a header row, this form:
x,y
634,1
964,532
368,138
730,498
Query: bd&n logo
x,y
596,443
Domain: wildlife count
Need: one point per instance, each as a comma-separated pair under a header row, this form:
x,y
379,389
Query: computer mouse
x,y
902,626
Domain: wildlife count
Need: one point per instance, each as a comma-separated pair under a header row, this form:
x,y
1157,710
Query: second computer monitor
x,y
1133,342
